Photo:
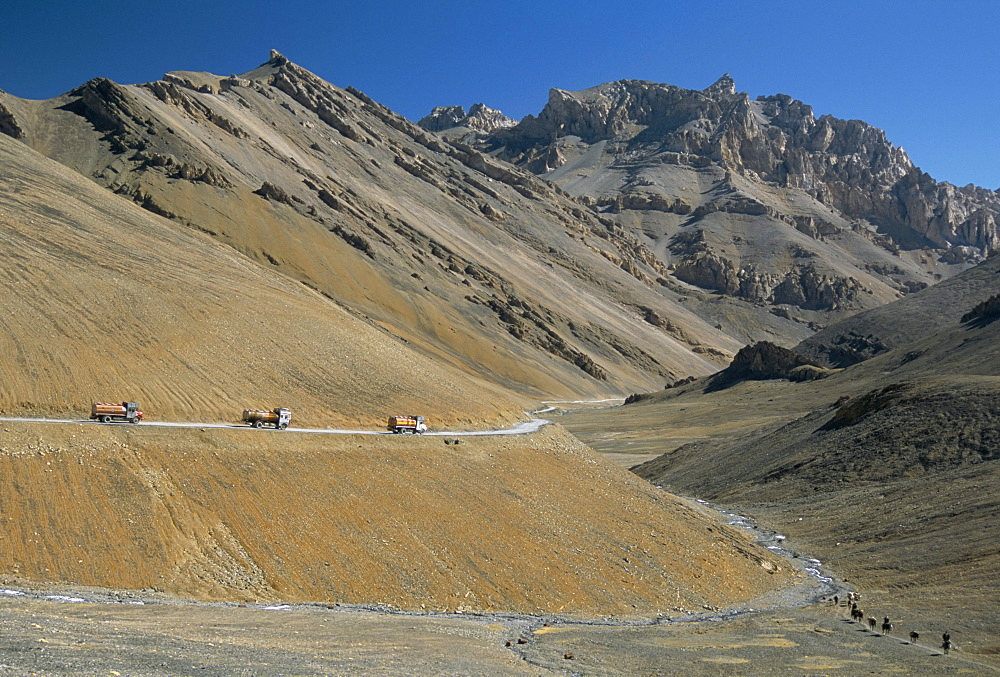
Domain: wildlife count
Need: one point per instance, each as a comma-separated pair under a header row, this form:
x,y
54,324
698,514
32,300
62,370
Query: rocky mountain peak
x,y
277,58
485,119
480,118
844,165
442,118
723,87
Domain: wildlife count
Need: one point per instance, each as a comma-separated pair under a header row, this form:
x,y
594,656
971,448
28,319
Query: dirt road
x,y
523,428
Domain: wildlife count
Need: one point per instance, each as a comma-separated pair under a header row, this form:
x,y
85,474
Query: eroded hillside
x,y
535,524
106,302
808,218
467,258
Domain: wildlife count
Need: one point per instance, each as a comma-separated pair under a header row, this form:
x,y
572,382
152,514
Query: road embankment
x,y
529,523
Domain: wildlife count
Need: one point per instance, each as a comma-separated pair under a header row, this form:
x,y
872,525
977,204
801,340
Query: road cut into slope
x,y
518,523
523,428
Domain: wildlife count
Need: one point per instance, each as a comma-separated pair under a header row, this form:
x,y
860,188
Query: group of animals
x,y
859,616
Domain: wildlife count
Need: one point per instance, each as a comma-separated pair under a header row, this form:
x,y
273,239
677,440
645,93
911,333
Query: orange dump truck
x,y
105,413
407,424
279,417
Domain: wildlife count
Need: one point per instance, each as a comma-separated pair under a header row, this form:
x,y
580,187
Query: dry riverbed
x,y
168,637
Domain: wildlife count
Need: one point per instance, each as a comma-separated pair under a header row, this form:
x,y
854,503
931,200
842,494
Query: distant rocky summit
x,y
845,164
480,118
759,200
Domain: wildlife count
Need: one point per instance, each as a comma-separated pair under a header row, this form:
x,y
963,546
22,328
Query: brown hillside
x,y
104,301
470,260
870,333
411,522
886,471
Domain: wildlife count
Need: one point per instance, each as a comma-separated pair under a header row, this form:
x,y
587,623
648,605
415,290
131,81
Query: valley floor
x,y
170,637
74,630
917,540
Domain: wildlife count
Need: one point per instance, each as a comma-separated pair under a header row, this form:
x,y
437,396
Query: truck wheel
x,y
282,426
105,419
258,424
133,420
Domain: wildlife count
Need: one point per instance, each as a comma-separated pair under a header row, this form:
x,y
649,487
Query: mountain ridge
x,y
672,233
429,228
757,200
775,138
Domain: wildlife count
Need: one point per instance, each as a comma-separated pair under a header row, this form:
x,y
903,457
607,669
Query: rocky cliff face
x,y
480,118
757,199
846,164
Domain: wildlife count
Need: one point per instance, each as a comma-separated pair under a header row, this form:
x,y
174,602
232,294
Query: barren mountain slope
x,y
886,470
810,218
870,333
104,301
107,301
535,524
467,258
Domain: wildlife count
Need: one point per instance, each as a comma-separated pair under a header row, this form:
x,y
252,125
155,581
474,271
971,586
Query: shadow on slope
x,y
889,483
104,301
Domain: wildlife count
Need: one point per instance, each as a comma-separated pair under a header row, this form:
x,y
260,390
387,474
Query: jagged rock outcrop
x,y
801,285
846,164
442,118
763,361
852,411
8,123
480,120
984,313
758,199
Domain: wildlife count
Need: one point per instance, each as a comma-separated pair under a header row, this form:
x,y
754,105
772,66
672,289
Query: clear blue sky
x,y
928,73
